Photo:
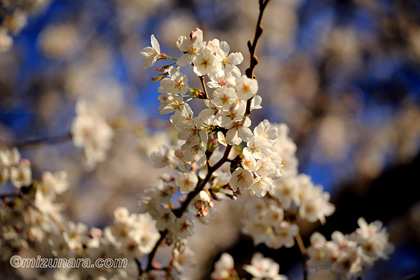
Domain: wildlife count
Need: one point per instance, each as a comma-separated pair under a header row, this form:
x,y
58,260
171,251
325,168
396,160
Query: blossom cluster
x,y
223,122
260,268
218,156
15,169
13,17
273,221
349,255
92,133
33,219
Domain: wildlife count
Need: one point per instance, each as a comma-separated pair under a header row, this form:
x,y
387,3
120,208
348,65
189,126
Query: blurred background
x,y
343,75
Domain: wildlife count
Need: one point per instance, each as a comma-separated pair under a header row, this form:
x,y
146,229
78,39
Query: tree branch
x,y
302,249
204,87
36,142
252,47
153,252
184,205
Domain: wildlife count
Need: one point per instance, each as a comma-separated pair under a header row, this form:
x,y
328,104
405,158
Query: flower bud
x,y
159,77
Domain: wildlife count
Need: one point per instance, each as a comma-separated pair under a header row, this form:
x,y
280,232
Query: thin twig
x,y
153,252
138,263
200,186
252,47
41,141
204,87
302,249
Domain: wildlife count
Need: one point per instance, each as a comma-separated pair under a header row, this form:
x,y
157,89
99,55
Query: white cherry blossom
x,y
151,54
186,181
176,83
223,268
264,268
241,179
205,62
229,61
239,131
190,47
246,87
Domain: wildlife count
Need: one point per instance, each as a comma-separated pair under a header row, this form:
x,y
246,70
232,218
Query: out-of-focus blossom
x,y
59,41
92,133
264,268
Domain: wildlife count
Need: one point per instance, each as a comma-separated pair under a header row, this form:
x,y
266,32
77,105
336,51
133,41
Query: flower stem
x,y
302,249
204,86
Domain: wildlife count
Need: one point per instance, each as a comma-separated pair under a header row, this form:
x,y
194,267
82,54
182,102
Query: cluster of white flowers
x,y
92,133
348,255
260,268
13,17
218,156
298,193
292,196
224,122
260,161
133,235
223,125
201,139
32,218
130,236
266,223
15,169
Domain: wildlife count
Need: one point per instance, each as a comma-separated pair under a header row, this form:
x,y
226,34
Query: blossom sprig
x,y
14,168
92,133
202,138
350,255
203,168
32,218
218,156
260,268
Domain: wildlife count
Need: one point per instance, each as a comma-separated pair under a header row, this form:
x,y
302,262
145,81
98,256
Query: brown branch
x,y
42,141
200,186
183,207
153,252
204,87
252,47
302,249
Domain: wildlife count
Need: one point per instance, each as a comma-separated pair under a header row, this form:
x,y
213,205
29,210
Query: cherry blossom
x,y
151,54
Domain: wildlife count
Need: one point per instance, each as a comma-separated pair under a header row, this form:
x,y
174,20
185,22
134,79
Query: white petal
x,y
236,58
185,60
245,134
232,137
224,46
155,43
